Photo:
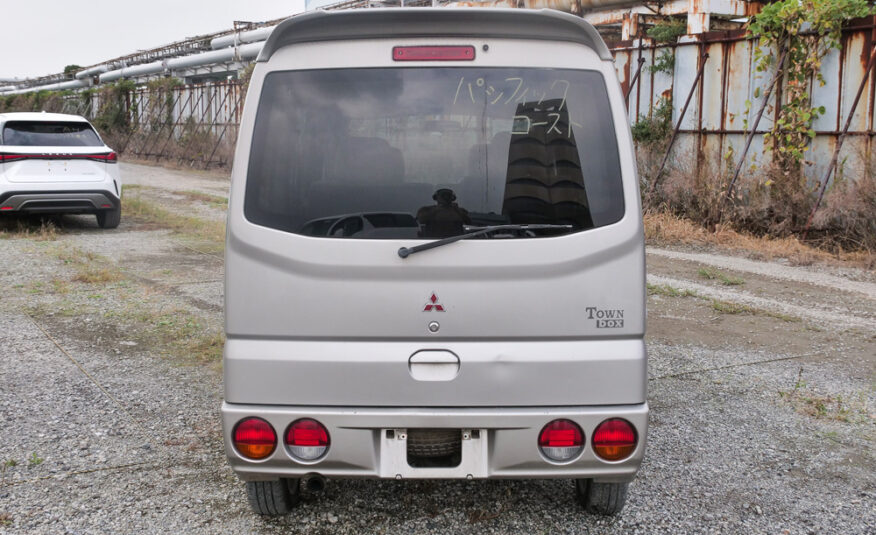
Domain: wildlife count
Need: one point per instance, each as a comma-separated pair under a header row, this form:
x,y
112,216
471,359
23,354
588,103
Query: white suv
x,y
56,163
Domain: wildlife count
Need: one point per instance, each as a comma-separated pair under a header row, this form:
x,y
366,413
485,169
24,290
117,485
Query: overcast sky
x,y
39,37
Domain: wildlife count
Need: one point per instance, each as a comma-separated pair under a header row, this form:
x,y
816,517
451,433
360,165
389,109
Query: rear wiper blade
x,y
405,252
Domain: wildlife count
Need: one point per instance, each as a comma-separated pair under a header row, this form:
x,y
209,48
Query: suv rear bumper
x,y
58,201
510,449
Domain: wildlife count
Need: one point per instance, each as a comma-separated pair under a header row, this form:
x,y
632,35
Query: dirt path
x,y
761,387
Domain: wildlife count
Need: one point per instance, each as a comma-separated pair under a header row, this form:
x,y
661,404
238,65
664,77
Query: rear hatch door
x,y
331,314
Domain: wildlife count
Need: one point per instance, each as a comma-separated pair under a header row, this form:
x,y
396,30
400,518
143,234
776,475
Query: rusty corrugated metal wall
x,y
715,121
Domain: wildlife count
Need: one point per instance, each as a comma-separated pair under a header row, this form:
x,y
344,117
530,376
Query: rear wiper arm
x,y
405,252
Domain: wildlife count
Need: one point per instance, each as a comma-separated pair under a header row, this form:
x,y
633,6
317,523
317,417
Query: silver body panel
x,y
542,328
490,373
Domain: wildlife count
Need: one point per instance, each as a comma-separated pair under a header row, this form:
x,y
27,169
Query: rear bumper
x,y
360,447
58,201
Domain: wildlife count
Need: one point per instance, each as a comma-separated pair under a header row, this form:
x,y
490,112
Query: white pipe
x,y
234,39
244,52
72,84
91,71
136,70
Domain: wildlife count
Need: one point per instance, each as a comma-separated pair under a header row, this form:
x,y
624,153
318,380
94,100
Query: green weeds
x,y
714,274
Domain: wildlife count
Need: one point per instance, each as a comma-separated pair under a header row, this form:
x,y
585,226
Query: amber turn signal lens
x,y
614,440
254,438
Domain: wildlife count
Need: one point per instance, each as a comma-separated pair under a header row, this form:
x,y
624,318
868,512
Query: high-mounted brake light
x,y
11,157
614,439
254,438
561,440
307,439
433,53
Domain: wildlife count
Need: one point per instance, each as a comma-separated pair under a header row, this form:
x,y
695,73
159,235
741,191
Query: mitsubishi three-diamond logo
x,y
433,304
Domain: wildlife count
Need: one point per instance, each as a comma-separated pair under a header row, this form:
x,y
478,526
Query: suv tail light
x,y
108,157
614,439
561,440
307,439
254,438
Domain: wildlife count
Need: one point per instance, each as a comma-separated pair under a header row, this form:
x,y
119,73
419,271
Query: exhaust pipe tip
x,y
314,483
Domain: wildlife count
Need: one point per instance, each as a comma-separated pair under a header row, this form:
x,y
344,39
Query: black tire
x,y
602,498
272,498
109,218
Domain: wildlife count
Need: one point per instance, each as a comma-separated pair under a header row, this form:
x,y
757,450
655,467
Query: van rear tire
x,y
272,498
602,498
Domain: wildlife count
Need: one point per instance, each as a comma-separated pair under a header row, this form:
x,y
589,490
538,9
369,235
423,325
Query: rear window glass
x,y
50,134
433,152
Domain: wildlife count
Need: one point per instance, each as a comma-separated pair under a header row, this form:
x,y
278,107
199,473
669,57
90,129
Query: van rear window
x,y
49,134
390,153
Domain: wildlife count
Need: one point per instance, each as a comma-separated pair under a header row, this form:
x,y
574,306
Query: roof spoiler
x,y
402,23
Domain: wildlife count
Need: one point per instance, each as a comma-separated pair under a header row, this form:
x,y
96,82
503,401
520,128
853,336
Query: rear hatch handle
x,y
405,252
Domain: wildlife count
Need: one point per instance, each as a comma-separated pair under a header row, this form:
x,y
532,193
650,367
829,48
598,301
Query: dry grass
x,y
668,229
45,231
90,268
714,274
178,333
669,291
141,209
724,307
831,407
94,275
727,307
200,196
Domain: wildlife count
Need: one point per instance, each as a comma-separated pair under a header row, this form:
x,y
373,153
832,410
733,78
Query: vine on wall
x,y
807,29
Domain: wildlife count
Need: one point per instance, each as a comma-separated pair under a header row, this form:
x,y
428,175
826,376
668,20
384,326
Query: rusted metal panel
x,y
713,88
737,83
856,57
642,92
686,67
829,95
731,79
623,64
662,83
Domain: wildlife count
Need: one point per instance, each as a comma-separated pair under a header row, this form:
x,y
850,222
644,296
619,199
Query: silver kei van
x,y
435,258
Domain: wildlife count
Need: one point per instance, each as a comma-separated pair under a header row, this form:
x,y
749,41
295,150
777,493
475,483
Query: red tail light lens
x,y
307,439
254,438
561,440
614,439
108,157
433,53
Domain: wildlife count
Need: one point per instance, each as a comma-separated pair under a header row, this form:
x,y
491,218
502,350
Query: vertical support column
x,y
630,26
698,17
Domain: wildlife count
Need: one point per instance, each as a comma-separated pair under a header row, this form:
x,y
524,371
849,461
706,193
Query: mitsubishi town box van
x,y
435,264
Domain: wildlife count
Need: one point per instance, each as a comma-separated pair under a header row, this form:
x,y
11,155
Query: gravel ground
x,y
759,424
